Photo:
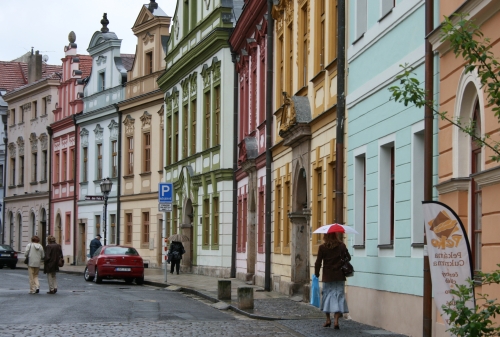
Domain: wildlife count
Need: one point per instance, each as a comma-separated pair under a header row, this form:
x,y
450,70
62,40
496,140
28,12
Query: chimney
x,y
34,67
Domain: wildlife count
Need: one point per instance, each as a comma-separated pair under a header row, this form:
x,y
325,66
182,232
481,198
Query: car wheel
x,y
129,280
13,266
139,280
97,279
87,276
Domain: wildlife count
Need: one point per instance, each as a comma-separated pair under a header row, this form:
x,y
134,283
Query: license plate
x,y
6,255
122,269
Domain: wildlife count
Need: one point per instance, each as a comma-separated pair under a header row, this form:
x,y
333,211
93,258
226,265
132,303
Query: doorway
x,y
187,230
43,229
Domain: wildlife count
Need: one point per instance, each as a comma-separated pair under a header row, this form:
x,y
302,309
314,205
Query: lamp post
x,y
106,185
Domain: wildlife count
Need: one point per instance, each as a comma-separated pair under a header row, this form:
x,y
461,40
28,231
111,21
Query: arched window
x,y
19,232
475,194
11,239
33,224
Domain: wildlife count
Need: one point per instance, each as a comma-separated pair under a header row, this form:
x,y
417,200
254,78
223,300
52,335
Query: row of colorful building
x,y
248,104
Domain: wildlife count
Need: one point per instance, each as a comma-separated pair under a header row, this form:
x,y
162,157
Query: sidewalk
x,y
290,311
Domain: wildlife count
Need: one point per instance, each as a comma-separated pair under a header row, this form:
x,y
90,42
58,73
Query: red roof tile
x,y
85,65
13,75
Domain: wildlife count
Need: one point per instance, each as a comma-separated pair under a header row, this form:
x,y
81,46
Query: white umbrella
x,y
335,228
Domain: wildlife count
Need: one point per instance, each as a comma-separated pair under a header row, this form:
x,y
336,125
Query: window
x,y
114,158
193,127
207,119
239,237
34,163
387,6
417,171
168,223
476,194
360,19
281,74
244,221
44,106
13,171
185,131
278,212
21,170
318,202
289,66
97,225
85,164
64,166
45,158
130,147
217,116
386,195
215,224
360,198
145,227
99,161
112,230
304,36
72,159
21,114
175,219
67,229
321,57
169,140
176,139
260,221
147,152
102,81
206,222
149,63
253,111
287,208
34,110
13,117
128,227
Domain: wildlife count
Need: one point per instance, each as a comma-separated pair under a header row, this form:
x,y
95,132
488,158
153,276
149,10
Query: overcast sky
x,y
45,24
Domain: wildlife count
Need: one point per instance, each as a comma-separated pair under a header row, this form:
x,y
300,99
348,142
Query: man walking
x,y
53,254
95,244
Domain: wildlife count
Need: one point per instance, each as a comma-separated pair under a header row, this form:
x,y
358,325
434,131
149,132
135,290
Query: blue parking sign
x,y
165,192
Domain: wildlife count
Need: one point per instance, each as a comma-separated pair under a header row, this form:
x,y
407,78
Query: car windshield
x,y
5,247
121,251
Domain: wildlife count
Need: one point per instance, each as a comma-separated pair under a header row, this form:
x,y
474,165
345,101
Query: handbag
x,y
315,291
347,267
60,263
27,259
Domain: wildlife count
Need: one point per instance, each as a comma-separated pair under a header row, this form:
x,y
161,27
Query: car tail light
x,y
15,254
108,260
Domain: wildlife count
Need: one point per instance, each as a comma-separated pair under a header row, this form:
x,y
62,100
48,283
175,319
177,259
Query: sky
x,y
45,24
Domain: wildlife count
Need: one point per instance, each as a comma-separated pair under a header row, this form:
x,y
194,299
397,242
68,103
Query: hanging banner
x,y
449,252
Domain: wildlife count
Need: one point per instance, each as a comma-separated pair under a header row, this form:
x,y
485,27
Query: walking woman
x,y
35,254
330,255
53,254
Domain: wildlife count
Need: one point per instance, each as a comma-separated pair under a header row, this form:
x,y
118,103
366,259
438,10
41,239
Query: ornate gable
x,y
84,137
12,150
113,129
20,144
98,133
44,140
129,125
34,142
146,120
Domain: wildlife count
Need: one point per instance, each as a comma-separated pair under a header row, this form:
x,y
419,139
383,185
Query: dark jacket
x,y
94,245
332,263
176,251
53,252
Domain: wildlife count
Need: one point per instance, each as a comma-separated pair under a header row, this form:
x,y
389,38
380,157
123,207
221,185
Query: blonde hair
x,y
332,240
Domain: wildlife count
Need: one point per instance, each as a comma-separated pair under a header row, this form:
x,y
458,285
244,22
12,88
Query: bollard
x,y
245,298
224,290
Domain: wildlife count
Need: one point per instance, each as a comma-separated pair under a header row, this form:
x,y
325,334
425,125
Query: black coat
x,y
176,251
94,245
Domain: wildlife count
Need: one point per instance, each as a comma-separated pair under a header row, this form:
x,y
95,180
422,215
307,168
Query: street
x,y
117,309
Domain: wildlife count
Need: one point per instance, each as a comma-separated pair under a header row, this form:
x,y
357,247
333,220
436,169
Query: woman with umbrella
x,y
331,254
175,253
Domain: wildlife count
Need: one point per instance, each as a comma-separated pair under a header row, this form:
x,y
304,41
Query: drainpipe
x,y
49,220
235,168
75,192
428,130
339,155
269,140
5,139
119,183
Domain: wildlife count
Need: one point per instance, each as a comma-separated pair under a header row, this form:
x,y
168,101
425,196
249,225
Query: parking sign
x,y
165,192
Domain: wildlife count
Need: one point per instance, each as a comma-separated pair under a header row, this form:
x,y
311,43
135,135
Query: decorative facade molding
x,y
205,74
453,185
98,133
207,3
194,83
148,37
113,129
101,60
20,145
44,141
161,113
216,69
488,177
129,125
84,137
34,142
146,120
48,99
12,150
185,89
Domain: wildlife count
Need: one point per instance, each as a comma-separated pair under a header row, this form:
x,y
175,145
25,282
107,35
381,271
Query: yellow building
x,y
305,105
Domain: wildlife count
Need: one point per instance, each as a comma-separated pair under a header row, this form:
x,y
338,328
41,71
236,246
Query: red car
x,y
115,262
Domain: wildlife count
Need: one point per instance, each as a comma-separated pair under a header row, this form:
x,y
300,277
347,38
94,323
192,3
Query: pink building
x,y
63,205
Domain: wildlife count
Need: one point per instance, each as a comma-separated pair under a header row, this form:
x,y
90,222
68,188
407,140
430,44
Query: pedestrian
x,y
53,253
330,255
95,244
35,254
175,256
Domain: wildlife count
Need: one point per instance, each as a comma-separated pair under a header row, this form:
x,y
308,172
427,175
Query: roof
x,y
15,74
85,64
56,75
127,61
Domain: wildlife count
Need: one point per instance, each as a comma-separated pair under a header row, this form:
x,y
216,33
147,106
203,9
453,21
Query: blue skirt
x,y
333,299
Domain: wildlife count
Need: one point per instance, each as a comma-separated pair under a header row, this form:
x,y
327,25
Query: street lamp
x,y
106,185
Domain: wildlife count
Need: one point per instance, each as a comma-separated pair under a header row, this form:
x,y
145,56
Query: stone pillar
x,y
299,253
224,290
245,298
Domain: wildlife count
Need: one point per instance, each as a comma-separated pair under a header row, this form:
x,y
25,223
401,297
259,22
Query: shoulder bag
x,y
347,267
27,259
